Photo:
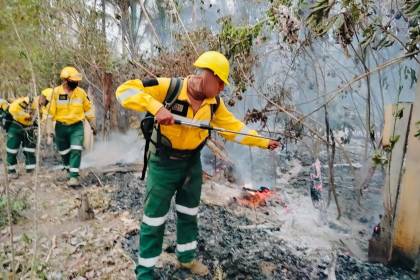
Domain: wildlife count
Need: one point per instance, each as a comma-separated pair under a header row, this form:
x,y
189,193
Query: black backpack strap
x,y
171,96
214,107
145,159
173,92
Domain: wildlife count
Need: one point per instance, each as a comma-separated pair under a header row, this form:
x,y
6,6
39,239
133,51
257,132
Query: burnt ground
x,y
277,241
234,251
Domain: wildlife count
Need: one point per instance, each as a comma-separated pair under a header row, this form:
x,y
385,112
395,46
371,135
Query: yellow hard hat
x,y
47,93
215,62
70,73
3,104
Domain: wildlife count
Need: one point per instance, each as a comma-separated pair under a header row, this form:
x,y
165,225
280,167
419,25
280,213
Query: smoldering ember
x,y
209,139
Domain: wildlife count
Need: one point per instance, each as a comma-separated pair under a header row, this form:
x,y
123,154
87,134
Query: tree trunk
x,y
103,19
110,114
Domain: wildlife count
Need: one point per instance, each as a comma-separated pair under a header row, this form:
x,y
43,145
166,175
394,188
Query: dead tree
x,y
110,114
331,156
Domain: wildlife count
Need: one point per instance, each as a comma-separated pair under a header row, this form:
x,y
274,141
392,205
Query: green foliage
x,y
399,113
412,10
374,35
417,134
352,17
237,40
287,3
317,19
41,270
344,23
17,207
281,18
410,73
236,43
13,63
23,262
380,157
26,239
53,34
393,140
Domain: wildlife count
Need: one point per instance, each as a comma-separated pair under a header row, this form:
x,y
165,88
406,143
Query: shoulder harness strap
x,y
170,98
172,94
214,107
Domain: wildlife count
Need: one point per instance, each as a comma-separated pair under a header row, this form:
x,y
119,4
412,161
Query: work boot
x,y
73,182
196,267
13,176
62,175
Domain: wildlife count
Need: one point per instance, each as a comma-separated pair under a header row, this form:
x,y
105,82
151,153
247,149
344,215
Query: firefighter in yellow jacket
x,y
4,105
47,94
174,162
20,131
69,106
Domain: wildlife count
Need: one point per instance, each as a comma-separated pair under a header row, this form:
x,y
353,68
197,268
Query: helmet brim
x,y
76,78
198,65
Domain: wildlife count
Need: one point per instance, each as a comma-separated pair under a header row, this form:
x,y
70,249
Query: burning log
x,y
253,198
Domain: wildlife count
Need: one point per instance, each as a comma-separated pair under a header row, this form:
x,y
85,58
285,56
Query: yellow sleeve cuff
x,y
265,143
259,142
154,106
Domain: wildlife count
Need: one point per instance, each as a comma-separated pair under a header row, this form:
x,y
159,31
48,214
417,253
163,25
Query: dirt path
x,y
67,247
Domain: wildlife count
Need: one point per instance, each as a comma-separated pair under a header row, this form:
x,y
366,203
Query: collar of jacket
x,y
183,96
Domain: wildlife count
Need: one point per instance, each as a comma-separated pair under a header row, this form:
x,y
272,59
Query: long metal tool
x,y
197,124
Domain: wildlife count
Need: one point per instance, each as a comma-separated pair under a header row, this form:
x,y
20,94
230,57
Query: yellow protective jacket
x,y
70,108
23,110
4,104
148,96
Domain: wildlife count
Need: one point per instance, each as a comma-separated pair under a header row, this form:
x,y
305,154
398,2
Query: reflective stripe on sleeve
x,y
238,138
76,101
127,94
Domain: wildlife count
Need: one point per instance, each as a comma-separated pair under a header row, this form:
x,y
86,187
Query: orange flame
x,y
255,199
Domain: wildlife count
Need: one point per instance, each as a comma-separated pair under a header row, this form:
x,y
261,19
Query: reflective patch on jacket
x,y
180,108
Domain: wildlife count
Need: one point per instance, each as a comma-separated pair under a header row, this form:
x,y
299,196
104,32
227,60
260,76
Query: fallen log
x,y
218,152
120,169
260,226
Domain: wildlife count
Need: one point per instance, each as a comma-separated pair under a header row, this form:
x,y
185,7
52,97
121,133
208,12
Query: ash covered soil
x,y
285,239
241,243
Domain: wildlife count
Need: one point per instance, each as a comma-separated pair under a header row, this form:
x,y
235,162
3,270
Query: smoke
x,y
117,149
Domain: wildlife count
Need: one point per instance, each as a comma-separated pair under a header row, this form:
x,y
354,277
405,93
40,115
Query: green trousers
x,y
69,141
20,135
166,178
